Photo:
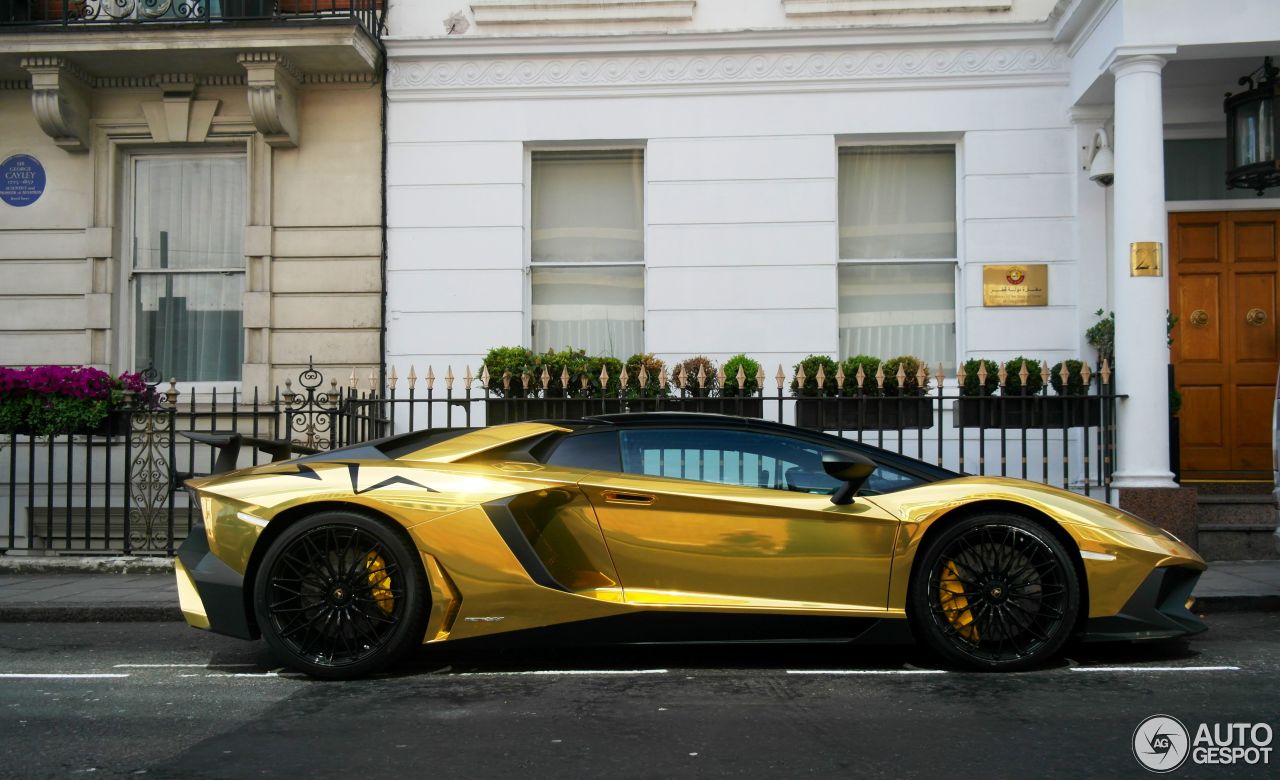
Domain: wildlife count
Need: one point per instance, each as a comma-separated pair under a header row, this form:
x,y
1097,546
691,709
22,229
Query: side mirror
x,y
850,468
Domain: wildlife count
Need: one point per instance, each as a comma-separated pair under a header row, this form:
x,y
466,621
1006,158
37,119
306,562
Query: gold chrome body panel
x,y
511,544
1137,547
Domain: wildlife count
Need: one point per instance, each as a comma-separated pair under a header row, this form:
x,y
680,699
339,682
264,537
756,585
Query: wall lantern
x,y
1102,168
1253,137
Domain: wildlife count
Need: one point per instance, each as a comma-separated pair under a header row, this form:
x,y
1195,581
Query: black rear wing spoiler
x,y
229,445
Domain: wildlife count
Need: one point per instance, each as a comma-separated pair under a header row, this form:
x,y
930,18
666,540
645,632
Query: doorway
x,y
1222,289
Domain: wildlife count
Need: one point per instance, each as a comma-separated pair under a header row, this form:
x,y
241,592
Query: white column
x,y
1142,352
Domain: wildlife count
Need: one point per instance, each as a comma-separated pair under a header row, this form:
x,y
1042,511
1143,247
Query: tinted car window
x,y
729,457
594,450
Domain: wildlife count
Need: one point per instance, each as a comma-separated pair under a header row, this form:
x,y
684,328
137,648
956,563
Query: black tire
x,y
340,595
994,592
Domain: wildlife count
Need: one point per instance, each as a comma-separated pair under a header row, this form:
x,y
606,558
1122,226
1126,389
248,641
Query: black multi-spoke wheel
x,y
339,595
996,592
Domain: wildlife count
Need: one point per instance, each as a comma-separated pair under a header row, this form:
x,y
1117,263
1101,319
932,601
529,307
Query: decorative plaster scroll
x,y
580,11
273,96
59,99
865,7
829,65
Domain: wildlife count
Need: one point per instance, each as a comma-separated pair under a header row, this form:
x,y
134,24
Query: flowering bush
x,y
46,400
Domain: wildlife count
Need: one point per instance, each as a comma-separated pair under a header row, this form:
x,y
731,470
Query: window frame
x,y
956,262
882,458
126,316
528,263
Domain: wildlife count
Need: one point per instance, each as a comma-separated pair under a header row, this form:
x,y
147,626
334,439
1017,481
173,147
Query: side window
x,y
727,457
596,450
886,480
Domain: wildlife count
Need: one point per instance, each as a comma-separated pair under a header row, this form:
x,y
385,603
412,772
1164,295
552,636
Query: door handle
x,y
619,497
1255,317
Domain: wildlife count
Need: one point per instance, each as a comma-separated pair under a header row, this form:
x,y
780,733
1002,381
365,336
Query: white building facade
x,y
791,177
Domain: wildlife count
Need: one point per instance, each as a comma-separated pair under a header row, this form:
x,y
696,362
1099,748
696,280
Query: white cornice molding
x,y
580,12
811,8
704,41
733,70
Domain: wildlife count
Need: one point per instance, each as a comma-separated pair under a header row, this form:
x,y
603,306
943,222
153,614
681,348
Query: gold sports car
x,y
663,526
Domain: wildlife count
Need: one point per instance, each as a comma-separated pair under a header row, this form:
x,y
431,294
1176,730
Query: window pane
x,y
588,451
598,309
588,205
1195,169
189,213
897,201
727,457
904,309
189,326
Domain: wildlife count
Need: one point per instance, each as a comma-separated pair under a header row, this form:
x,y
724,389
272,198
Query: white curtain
x,y
899,309
599,309
897,201
188,259
588,206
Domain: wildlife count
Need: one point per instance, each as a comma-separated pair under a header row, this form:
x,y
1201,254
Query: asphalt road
x,y
162,700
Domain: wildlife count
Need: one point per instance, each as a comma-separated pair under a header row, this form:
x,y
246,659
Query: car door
x,y
737,518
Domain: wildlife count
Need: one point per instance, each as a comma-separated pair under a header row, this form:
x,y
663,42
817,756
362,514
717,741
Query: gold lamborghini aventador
x,y
664,526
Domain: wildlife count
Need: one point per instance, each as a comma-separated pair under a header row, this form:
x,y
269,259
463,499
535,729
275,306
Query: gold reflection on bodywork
x,y
188,599
1138,547
707,543
445,601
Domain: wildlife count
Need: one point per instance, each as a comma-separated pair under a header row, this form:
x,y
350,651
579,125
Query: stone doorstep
x,y
1236,510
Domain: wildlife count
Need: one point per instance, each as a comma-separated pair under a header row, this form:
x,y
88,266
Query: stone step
x,y
1228,542
1236,509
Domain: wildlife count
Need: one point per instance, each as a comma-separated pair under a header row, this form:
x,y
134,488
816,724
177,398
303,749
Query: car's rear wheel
x,y
994,593
340,595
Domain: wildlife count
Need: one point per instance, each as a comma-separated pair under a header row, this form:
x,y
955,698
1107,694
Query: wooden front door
x,y
1223,290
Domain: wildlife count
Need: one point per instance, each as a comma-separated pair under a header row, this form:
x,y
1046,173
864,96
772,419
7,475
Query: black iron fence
x,y
86,14
111,490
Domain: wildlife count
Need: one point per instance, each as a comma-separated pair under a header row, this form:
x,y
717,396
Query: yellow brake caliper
x,y
953,601
381,583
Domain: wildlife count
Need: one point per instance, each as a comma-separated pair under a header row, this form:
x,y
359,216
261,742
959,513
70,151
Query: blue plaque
x,y
21,180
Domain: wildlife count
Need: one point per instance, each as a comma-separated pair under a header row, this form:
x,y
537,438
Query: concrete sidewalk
x,y
70,590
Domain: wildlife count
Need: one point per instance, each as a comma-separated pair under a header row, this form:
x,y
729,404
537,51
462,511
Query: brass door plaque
x,y
1146,258
1015,285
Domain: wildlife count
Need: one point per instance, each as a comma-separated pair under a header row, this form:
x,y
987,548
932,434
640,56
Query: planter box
x,y
1047,412
116,423
508,410
855,413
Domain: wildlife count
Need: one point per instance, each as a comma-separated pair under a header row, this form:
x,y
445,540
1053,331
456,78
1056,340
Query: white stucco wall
x,y
740,209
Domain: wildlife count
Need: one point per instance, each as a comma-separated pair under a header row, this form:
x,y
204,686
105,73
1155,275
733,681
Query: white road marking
x,y
1155,668
560,672
183,666
866,671
57,676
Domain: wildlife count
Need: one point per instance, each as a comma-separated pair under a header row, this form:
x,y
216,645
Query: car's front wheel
x,y
994,593
340,595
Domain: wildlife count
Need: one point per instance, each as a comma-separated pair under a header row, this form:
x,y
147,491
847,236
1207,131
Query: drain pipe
x,y
382,265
